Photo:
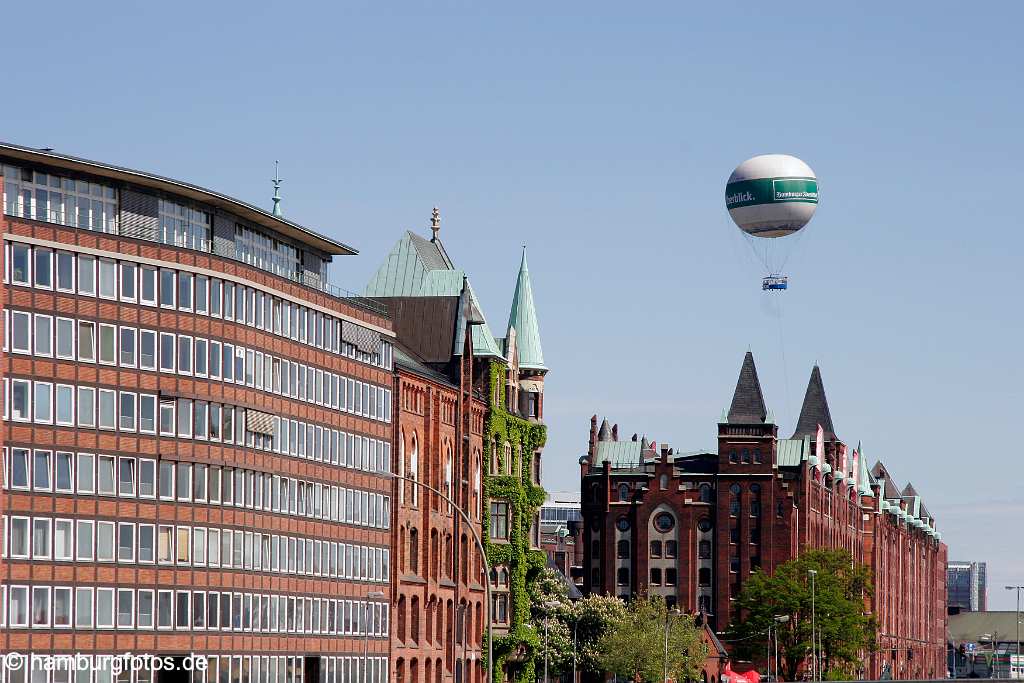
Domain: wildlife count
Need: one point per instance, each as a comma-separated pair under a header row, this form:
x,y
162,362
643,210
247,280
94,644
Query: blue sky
x,y
601,135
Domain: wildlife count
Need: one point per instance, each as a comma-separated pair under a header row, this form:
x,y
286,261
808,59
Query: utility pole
x,y
814,659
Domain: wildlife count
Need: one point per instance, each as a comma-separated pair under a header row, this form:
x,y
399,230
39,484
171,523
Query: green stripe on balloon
x,y
771,191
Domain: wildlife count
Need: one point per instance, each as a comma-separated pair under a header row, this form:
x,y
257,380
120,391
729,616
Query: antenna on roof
x,y
277,194
435,223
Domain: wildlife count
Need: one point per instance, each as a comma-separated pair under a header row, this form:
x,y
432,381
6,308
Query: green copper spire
x,y
277,192
523,317
863,478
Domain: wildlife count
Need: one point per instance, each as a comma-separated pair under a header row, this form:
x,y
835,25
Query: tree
x,y
590,618
841,587
635,646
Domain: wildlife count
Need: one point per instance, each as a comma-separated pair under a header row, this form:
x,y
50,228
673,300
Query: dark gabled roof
x,y
406,359
909,490
889,490
815,411
747,401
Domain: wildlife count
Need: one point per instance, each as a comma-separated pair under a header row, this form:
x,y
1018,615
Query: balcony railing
x,y
111,226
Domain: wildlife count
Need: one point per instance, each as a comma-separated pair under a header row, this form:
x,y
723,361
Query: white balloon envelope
x,y
772,195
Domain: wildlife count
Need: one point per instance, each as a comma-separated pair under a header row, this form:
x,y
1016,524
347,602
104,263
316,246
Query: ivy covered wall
x,y
516,647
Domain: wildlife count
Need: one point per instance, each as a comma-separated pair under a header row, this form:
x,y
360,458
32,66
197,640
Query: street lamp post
x,y
776,620
1018,589
668,621
483,557
372,595
814,659
575,626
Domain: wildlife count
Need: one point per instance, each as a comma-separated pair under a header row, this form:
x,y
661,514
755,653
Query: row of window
x,y
88,607
55,199
86,341
107,409
86,540
130,282
88,668
127,476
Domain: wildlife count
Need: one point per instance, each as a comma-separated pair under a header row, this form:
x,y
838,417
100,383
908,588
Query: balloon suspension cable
x,y
785,366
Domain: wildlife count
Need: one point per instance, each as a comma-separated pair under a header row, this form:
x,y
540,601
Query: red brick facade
x,y
439,607
299,622
693,527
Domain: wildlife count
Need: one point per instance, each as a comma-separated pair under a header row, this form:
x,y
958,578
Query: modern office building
x,y
966,588
194,422
692,527
469,424
560,527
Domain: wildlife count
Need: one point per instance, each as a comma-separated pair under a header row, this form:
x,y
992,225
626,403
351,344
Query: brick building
x,y
693,526
459,388
194,425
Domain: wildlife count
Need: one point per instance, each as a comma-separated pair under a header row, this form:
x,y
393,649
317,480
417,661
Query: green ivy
x,y
524,499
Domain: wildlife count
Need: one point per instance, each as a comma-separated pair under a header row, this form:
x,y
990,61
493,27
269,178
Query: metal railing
x,y
112,227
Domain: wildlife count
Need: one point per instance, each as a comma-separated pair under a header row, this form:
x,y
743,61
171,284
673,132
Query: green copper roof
x,y
420,267
619,453
523,317
483,341
792,452
863,477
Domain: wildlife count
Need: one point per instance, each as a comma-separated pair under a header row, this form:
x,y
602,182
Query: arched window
x,y
414,671
433,553
732,457
734,500
414,615
448,475
745,456
595,549
664,482
623,492
494,457
478,499
508,458
401,465
704,549
757,456
414,551
401,618
755,500
622,549
464,552
414,470
706,494
622,576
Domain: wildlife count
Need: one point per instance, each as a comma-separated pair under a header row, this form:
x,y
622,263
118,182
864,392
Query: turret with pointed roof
x,y
748,400
815,410
523,318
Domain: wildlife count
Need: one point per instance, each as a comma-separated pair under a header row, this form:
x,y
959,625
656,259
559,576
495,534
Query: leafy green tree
x,y
588,619
635,646
841,587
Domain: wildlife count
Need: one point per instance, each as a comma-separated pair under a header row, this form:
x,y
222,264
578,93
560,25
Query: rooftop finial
x,y
435,223
277,194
